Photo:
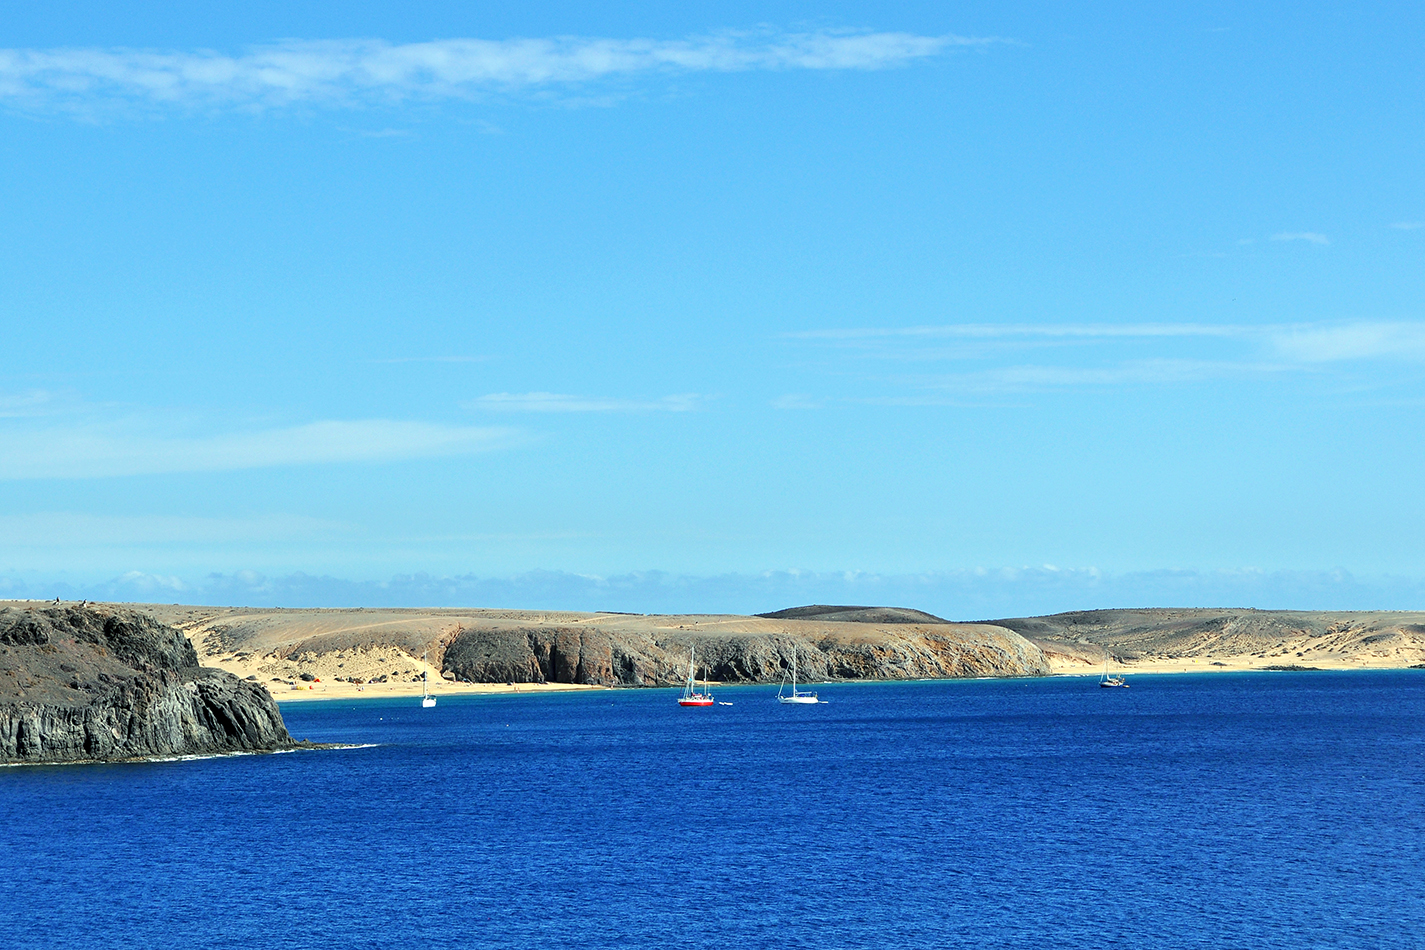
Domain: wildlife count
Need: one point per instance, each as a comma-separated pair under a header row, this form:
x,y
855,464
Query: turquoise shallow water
x,y
1221,810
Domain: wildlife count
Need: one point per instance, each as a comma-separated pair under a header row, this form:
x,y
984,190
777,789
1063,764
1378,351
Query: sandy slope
x,y
1175,640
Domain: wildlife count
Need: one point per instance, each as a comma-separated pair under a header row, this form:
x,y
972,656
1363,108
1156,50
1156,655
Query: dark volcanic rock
x,y
589,655
541,655
102,684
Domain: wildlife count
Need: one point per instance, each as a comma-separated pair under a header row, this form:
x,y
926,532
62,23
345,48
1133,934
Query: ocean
x,y
1188,811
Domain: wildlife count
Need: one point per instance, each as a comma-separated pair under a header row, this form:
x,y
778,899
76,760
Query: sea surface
x,y
1220,810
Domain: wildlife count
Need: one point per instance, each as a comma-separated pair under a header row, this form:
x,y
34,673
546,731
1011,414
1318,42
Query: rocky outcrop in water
x,y
104,684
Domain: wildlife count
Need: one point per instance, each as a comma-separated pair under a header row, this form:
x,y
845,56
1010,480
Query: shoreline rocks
x,y
105,684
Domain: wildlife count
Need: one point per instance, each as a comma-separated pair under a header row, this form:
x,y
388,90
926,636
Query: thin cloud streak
x,y
992,357
1354,341
1309,236
997,331
560,402
1136,373
82,529
36,402
104,451
1307,343
373,71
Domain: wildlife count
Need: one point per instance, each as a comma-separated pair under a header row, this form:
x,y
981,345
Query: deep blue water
x,y
1221,810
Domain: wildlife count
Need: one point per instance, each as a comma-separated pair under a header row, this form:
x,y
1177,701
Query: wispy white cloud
x,y
560,402
364,71
69,528
107,450
1157,372
1408,225
992,358
1351,341
35,403
1000,331
1309,236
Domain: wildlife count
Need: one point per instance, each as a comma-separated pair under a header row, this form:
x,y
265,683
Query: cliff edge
x,y
103,683
388,646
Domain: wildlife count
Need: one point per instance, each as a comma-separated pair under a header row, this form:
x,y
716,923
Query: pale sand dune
x,y
335,646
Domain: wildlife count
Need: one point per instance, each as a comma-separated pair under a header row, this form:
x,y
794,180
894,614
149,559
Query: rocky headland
x,y
322,650
105,683
314,653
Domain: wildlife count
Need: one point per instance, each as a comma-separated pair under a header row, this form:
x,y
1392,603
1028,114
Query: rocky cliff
x,y
106,683
823,650
392,645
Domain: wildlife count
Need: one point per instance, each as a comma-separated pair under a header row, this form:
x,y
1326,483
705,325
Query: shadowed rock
x,y
604,649
105,683
836,650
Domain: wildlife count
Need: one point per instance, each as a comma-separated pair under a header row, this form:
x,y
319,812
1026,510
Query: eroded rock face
x,y
542,655
530,654
103,684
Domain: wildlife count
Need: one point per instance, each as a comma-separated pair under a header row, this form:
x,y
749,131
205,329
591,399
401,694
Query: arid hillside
x,y
1242,639
515,646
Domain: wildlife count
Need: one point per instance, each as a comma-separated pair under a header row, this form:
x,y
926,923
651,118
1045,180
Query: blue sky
x,y
997,309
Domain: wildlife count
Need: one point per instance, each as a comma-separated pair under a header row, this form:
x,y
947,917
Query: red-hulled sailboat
x,y
691,696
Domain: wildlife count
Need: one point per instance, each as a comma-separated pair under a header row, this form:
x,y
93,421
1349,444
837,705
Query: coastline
x,y
306,692
311,692
1070,666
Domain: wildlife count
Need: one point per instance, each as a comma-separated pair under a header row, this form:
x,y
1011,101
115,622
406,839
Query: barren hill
x,y
1170,637
519,646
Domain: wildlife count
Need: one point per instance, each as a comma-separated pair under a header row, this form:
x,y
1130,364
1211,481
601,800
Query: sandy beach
x,y
1071,666
303,691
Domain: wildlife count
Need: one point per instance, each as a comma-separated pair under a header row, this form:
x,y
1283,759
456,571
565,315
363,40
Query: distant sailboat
x,y
427,700
691,696
797,696
1106,681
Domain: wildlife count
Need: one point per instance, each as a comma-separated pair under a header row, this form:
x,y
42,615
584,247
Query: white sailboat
x,y
797,696
1106,681
427,700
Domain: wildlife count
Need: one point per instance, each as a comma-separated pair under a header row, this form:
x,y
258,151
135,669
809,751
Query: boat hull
x,y
696,701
